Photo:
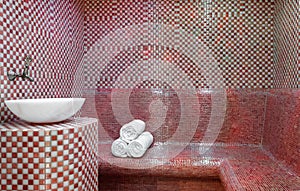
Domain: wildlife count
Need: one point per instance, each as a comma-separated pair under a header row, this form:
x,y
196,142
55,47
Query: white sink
x,y
48,110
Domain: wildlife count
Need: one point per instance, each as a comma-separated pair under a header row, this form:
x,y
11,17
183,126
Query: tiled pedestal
x,y
56,157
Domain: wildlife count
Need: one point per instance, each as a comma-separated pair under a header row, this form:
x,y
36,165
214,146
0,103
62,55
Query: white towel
x,y
138,147
132,130
119,148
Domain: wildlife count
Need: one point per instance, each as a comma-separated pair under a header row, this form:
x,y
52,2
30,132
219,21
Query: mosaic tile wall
x,y
281,132
49,157
185,44
52,33
168,113
286,44
282,127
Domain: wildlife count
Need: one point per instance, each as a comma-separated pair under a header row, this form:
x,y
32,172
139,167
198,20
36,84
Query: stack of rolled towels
x,y
133,141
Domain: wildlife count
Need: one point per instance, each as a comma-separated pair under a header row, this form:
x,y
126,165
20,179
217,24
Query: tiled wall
x,y
184,44
154,44
286,44
181,116
282,127
52,33
152,51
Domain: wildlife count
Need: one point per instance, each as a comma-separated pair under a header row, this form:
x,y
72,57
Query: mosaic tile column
x,y
57,157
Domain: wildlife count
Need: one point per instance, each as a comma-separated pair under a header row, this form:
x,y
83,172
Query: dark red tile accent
x,y
144,183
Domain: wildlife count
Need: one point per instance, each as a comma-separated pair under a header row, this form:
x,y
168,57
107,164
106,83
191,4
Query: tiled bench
x,y
240,167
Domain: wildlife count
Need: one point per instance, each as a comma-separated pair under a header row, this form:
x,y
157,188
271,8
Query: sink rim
x,y
45,110
41,100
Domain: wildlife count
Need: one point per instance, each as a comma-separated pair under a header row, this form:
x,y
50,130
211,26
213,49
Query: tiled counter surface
x,y
240,167
60,156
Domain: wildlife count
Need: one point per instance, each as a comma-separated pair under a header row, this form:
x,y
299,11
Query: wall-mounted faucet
x,y
12,75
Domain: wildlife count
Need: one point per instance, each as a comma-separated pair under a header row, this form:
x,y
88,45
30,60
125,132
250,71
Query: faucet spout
x,y
27,77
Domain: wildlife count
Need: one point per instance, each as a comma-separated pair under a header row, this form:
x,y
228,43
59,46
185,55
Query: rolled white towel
x,y
138,147
119,148
132,130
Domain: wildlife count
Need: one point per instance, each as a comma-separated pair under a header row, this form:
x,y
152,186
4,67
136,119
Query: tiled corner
x,y
286,44
282,127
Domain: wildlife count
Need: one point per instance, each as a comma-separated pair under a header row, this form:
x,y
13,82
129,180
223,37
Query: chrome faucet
x,y
12,75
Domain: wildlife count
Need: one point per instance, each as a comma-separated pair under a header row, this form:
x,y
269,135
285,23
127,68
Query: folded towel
x,y
119,148
138,147
132,130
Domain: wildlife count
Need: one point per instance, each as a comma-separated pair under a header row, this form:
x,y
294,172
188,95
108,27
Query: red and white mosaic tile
x,y
286,44
52,33
154,46
129,42
60,156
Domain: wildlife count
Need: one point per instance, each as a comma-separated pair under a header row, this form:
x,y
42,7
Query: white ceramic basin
x,y
48,110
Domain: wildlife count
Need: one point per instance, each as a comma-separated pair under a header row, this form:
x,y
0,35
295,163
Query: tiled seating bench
x,y
240,167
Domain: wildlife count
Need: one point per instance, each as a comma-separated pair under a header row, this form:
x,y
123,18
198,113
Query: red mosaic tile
x,y
161,109
244,117
239,167
143,183
258,176
281,132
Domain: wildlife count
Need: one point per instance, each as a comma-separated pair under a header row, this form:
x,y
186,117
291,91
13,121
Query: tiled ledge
x,y
60,156
240,167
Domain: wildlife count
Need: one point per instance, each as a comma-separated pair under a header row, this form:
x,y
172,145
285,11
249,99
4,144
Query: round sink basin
x,y
48,110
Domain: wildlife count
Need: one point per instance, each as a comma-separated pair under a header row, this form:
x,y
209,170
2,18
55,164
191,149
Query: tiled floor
x,y
239,167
